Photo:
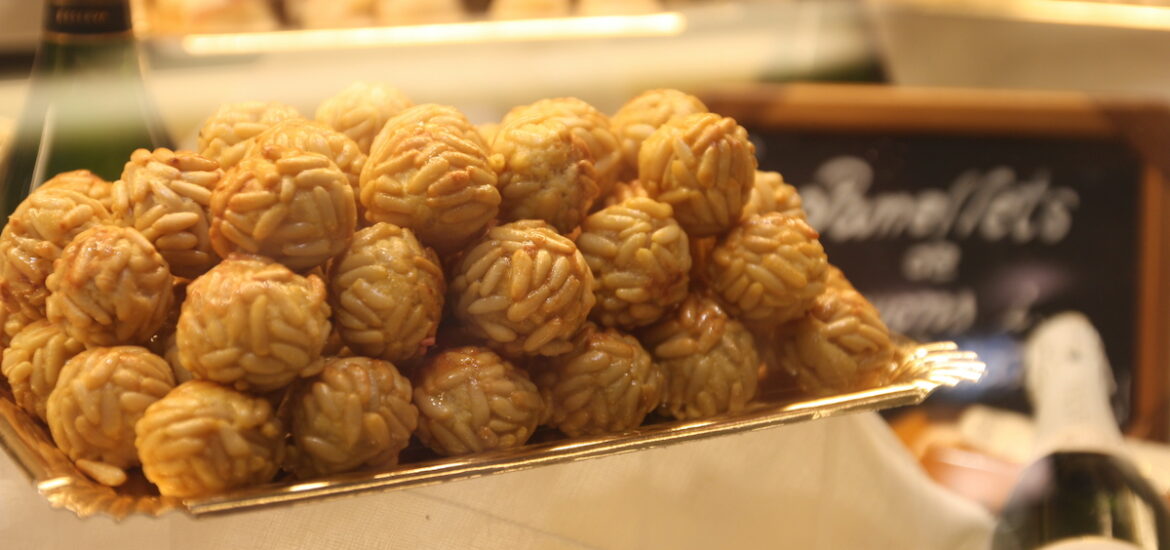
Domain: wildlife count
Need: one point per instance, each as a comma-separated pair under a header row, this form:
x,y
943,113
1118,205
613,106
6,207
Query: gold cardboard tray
x,y
921,369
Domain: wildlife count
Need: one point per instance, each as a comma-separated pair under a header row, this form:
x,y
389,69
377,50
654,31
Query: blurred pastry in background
x,y
523,9
415,12
325,14
186,16
617,7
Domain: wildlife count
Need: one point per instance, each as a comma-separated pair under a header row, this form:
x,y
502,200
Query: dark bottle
x,y
86,106
1083,492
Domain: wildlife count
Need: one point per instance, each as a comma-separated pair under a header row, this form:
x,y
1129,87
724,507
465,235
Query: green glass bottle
x,y
1082,492
86,106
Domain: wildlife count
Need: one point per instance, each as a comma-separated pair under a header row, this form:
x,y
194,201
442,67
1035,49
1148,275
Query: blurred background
x,y
486,56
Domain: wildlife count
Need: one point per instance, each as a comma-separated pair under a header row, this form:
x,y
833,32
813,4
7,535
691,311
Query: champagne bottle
x,y
1083,492
86,106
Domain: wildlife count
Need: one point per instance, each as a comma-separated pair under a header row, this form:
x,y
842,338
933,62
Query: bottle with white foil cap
x,y
1082,492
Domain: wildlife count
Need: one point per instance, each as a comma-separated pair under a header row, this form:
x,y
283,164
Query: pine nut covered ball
x,y
445,116
710,360
842,345
226,135
387,294
253,324
548,172
607,384
624,191
588,125
33,362
704,166
640,262
110,287
357,413
37,232
471,400
524,288
85,182
429,171
645,113
203,439
314,137
361,110
100,396
294,207
166,195
768,269
771,194
11,323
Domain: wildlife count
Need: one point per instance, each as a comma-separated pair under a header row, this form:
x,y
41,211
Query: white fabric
x,y
834,484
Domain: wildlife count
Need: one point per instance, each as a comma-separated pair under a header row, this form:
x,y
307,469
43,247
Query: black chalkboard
x,y
971,215
975,239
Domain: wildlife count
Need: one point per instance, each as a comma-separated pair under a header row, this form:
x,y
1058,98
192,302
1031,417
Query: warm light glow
x,y
1077,12
658,24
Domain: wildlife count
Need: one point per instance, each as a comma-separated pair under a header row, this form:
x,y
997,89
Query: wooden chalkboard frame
x,y
1141,124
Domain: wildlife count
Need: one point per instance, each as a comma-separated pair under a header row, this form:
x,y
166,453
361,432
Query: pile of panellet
x,y
307,296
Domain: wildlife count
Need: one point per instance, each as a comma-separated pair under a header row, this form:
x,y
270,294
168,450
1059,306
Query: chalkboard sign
x,y
973,215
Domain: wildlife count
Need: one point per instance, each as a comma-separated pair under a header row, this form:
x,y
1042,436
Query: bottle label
x,y
86,19
1091,543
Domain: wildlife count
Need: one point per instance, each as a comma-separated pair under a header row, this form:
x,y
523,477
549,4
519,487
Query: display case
x,y
967,215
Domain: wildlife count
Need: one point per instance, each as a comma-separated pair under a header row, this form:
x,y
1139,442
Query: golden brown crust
x,y
387,293
840,346
623,191
472,400
588,126
85,182
166,196
642,115
771,194
523,288
704,166
33,362
227,134
607,384
768,269
36,233
314,137
710,360
429,171
294,207
356,413
547,172
100,396
640,261
253,324
110,287
203,439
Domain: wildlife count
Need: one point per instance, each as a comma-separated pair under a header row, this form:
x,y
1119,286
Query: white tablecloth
x,y
837,483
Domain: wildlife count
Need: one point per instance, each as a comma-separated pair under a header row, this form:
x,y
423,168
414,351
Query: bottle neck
x,y
71,20
87,37
1069,382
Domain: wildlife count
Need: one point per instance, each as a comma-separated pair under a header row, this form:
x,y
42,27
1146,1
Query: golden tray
x,y
920,369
